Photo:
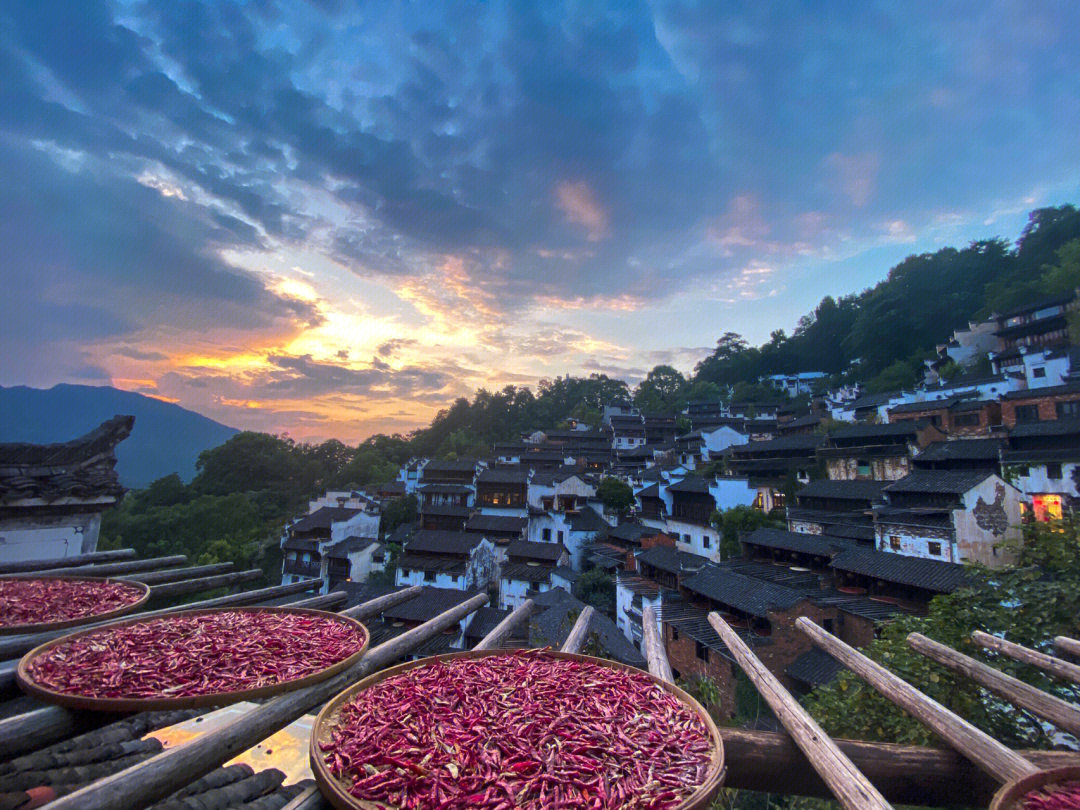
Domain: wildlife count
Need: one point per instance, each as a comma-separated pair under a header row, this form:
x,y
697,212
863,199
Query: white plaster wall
x,y
48,537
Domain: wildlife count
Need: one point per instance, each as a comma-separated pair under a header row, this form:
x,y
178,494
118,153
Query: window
x,y
894,542
701,651
1053,471
674,634
405,573
934,548
1027,413
966,420
862,467
1069,408
429,576
546,534
706,542
560,535
686,539
1038,372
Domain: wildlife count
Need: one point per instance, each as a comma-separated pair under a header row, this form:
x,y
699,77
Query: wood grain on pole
x,y
35,729
373,607
1066,645
655,654
92,558
1064,715
173,574
905,774
170,590
850,787
1026,655
978,746
501,632
17,645
576,640
153,779
113,569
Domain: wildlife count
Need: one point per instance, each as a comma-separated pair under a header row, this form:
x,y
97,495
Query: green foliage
x,y
897,376
596,587
739,520
398,512
664,391
615,493
1029,603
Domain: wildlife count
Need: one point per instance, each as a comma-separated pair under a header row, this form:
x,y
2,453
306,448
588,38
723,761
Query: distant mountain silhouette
x,y
166,438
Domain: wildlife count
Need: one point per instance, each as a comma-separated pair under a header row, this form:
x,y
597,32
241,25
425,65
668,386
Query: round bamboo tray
x,y
29,686
43,627
1011,794
336,792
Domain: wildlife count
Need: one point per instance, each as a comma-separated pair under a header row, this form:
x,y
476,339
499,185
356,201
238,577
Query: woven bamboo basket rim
x,y
336,792
1010,795
44,627
28,685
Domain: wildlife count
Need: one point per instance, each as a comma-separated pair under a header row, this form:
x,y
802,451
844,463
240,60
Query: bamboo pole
x,y
501,632
322,602
655,653
171,590
174,574
1066,645
851,788
576,640
978,746
1026,655
1064,715
373,607
153,779
112,569
92,558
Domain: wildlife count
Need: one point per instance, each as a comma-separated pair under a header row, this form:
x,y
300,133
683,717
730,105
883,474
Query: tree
x,y
662,391
616,494
398,512
596,587
1029,602
740,520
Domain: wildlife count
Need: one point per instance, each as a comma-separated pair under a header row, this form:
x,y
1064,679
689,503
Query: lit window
x,y
1046,507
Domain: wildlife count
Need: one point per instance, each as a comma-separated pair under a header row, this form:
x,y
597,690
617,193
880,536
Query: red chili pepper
x,y
42,601
1063,796
196,654
524,730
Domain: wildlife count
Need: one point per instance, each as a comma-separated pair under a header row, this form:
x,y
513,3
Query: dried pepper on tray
x,y
196,654
1064,796
47,600
521,730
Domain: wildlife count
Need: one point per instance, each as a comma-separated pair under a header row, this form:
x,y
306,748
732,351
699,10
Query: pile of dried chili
x,y
519,730
1064,796
48,600
196,654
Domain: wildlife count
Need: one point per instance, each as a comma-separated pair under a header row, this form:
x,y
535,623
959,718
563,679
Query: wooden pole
x,y
323,602
170,590
310,799
853,790
1064,715
113,569
978,746
153,779
1066,645
174,574
576,640
373,607
17,645
93,558
655,653
1026,655
501,632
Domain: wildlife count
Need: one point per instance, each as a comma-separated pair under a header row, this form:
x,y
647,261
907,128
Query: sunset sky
x,y
304,217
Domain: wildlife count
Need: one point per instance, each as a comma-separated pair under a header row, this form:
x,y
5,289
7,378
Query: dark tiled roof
x,y
526,572
1051,391
496,523
851,531
434,541
535,551
818,545
955,482
906,428
350,545
1054,427
651,491
844,490
360,592
552,624
503,476
961,450
484,620
1040,303
567,573
457,465
446,510
431,562
669,559
692,484
743,593
814,668
798,441
930,575
925,405
445,489
428,604
587,520
872,400
631,532
81,468
323,518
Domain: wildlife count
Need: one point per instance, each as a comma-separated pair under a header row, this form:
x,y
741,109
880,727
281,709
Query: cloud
x,y
578,203
856,175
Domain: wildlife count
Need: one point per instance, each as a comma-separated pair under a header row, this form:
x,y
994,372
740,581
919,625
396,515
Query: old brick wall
x,y
683,658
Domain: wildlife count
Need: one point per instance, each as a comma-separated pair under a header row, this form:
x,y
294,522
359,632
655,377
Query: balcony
x,y
298,568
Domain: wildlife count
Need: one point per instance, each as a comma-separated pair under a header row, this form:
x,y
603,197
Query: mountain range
x,y
166,438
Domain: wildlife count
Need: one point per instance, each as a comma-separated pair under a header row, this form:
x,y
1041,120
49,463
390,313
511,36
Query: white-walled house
x,y
573,529
558,491
447,559
306,540
529,570
633,594
1043,460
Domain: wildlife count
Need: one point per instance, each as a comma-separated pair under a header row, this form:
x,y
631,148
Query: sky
x,y
330,219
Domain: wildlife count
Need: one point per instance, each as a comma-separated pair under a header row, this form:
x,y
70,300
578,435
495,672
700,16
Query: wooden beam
x,y
1067,646
174,574
1055,666
770,762
153,779
501,632
846,782
655,654
978,746
325,601
169,590
576,640
373,607
92,558
113,569
1064,715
